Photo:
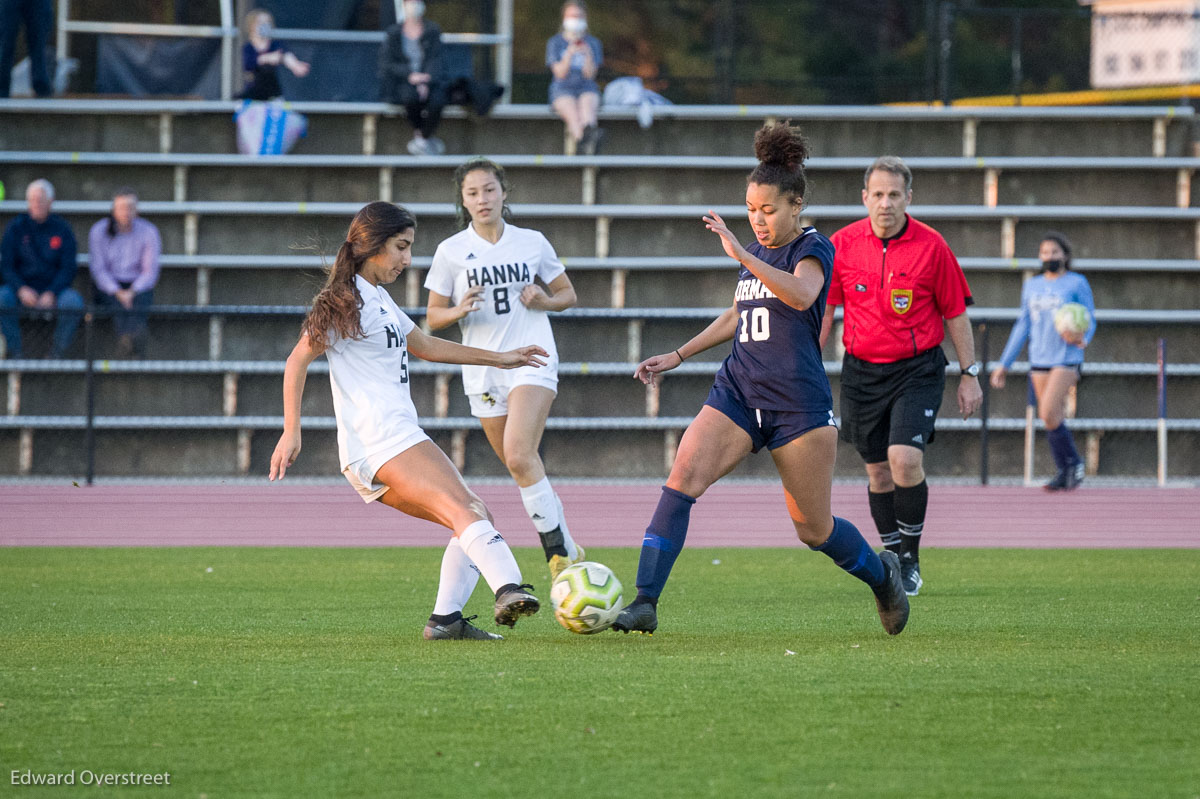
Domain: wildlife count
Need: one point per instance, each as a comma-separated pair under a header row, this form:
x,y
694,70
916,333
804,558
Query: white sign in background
x,y
1149,43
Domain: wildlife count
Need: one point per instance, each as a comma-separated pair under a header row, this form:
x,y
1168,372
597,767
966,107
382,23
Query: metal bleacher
x,y
626,224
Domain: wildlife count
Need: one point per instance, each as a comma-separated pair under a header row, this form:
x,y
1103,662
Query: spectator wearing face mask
x,y
412,74
1055,358
573,56
262,56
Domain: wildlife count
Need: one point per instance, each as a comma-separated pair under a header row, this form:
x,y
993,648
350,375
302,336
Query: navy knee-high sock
x,y
1062,447
850,550
664,539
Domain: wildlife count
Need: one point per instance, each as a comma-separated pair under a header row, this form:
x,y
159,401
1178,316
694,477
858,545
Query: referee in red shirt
x,y
898,281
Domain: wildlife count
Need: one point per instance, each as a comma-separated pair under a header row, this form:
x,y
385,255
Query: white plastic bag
x,y
631,92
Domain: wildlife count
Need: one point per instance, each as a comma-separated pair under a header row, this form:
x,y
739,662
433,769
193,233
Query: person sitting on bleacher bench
x,y
124,250
37,261
411,74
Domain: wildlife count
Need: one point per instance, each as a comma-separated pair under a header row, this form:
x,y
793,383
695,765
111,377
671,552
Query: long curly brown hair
x,y
335,309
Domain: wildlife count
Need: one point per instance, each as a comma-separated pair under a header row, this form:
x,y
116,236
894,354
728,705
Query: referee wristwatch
x,y
972,370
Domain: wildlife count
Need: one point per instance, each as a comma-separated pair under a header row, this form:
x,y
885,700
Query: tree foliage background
x,y
747,51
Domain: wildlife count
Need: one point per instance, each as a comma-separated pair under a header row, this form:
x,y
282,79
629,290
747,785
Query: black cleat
x,y
515,603
460,630
1072,476
890,598
638,617
1059,483
910,575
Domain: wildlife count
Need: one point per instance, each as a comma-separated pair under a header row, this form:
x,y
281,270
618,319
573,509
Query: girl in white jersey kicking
x,y
383,452
484,279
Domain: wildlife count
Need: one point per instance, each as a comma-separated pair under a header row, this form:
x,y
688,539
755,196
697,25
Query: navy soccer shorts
x,y
891,403
770,429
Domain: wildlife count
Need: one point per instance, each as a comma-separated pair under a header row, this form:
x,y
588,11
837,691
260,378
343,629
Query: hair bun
x,y
781,144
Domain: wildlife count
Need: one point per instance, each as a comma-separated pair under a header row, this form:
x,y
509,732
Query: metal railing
x,y
96,364
228,32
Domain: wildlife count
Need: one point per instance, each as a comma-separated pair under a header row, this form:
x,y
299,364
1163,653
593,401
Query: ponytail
x,y
335,309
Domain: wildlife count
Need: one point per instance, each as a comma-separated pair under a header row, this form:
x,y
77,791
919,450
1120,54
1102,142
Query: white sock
x,y
459,576
568,542
490,553
545,511
540,505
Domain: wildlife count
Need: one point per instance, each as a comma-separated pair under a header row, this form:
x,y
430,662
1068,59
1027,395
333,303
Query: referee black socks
x,y
883,511
910,517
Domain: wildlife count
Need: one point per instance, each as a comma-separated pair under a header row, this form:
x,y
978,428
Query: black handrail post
x,y
90,390
983,407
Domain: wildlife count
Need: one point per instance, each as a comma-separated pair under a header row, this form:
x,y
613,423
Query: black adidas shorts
x,y
891,403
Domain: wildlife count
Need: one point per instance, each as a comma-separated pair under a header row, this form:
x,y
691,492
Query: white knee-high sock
x,y
489,551
459,576
545,511
572,549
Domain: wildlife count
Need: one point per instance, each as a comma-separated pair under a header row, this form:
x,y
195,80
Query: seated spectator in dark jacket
x,y
411,74
37,263
124,251
262,56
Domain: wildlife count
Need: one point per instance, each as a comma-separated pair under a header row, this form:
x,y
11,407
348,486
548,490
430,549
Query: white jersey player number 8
x,y
756,325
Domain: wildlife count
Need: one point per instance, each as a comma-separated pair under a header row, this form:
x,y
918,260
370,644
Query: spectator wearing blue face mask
x,y
1055,357
573,57
262,56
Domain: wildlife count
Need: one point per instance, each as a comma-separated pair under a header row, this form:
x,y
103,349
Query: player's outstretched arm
x,y
718,331
439,350
294,374
798,289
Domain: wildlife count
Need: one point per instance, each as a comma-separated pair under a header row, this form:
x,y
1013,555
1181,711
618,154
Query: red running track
x,y
600,515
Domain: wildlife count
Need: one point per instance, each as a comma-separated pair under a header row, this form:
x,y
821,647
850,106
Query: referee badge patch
x,y
901,300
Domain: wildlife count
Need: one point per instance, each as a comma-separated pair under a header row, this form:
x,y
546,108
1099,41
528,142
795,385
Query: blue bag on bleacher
x,y
268,128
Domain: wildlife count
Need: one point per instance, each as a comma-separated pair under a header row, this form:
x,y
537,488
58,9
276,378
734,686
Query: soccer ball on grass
x,y
586,597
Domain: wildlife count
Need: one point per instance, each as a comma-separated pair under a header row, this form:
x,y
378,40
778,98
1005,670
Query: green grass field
x,y
302,673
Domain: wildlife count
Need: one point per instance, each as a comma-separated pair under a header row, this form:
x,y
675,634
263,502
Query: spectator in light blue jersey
x,y
1055,358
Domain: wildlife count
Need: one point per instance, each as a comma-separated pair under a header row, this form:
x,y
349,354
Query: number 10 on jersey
x,y
756,325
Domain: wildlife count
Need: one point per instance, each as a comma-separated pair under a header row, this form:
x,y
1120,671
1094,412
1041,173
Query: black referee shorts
x,y
891,403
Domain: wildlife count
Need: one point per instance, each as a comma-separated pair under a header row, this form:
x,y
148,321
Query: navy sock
x,y
663,542
1062,447
911,503
883,511
850,550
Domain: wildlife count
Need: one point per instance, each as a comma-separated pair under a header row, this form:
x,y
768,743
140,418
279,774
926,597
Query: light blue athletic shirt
x,y
1040,298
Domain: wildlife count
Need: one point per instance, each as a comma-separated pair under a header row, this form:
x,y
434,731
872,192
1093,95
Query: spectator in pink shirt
x,y
124,251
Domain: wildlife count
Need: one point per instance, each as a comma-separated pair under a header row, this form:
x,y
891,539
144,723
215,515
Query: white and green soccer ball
x,y
586,597
1071,319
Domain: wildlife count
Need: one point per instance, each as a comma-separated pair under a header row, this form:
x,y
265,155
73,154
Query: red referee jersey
x,y
895,297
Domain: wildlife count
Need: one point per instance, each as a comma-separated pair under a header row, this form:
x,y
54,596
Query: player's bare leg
x,y
1052,388
806,468
422,482
711,447
516,438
